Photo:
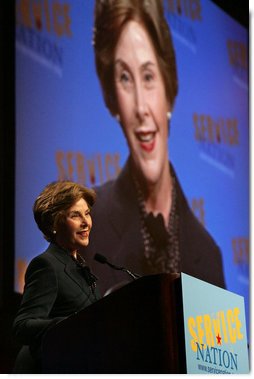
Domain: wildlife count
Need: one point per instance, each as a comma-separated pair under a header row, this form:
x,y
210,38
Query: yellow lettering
x,y
108,164
233,136
202,127
216,326
238,324
47,17
33,13
91,168
191,326
246,249
224,328
100,167
25,13
87,171
237,52
37,12
57,19
81,168
210,129
195,7
170,4
116,158
70,167
208,330
240,246
59,163
231,329
244,56
216,131
67,20
200,330
195,120
207,327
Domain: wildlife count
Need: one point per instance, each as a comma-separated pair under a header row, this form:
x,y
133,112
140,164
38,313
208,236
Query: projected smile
x,y
145,136
146,140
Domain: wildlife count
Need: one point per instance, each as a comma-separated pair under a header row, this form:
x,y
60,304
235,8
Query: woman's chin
x,y
150,175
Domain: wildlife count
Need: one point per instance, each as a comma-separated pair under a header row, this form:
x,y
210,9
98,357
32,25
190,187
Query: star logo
x,y
218,337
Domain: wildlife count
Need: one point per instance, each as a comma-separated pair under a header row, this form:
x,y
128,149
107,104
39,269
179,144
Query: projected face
x,y
73,232
142,102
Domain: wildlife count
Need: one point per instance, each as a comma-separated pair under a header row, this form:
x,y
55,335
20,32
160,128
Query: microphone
x,y
100,258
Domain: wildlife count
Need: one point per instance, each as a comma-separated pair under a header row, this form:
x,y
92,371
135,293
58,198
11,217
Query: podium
x,y
140,328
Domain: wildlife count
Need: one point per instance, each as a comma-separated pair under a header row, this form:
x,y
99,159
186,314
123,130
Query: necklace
x,y
161,244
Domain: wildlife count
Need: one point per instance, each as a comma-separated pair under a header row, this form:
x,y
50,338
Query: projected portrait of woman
x,y
142,219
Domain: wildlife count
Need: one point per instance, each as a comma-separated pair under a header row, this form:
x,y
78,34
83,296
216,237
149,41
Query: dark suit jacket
x,y
54,289
116,234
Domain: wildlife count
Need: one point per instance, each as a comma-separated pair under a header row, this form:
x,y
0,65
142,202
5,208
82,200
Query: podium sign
x,y
215,329
157,324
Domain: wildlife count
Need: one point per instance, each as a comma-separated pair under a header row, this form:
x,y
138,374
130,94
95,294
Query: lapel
x,y
124,217
189,255
70,267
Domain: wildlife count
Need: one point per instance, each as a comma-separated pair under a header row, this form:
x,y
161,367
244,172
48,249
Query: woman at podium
x,y
58,282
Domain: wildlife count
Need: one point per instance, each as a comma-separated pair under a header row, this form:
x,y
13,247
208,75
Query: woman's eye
x,y
124,77
74,215
148,77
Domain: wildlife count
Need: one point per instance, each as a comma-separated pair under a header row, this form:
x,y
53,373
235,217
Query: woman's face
x,y
73,231
141,101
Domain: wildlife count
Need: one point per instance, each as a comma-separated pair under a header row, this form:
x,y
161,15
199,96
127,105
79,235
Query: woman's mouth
x,y
83,233
146,140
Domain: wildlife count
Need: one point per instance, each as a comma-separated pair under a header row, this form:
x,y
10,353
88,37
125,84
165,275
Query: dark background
x,y
9,300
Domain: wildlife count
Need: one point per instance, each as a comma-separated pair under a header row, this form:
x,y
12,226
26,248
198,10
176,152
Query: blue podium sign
x,y
215,329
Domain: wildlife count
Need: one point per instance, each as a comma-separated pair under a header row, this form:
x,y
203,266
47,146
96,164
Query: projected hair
x,y
110,17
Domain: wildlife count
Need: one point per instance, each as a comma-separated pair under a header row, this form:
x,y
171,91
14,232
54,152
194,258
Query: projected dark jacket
x,y
116,234
55,288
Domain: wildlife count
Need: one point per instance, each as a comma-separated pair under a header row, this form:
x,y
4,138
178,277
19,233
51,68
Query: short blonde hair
x,y
52,203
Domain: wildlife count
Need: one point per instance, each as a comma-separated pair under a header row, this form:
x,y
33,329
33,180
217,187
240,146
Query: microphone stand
x,y
100,258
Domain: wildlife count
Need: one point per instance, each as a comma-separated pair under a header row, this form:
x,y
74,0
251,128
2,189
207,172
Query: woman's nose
x,y
140,103
84,220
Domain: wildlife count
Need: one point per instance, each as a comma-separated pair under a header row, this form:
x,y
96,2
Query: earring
x,y
54,232
169,115
117,117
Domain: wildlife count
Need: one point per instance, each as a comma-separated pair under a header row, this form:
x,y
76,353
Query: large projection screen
x,y
64,130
